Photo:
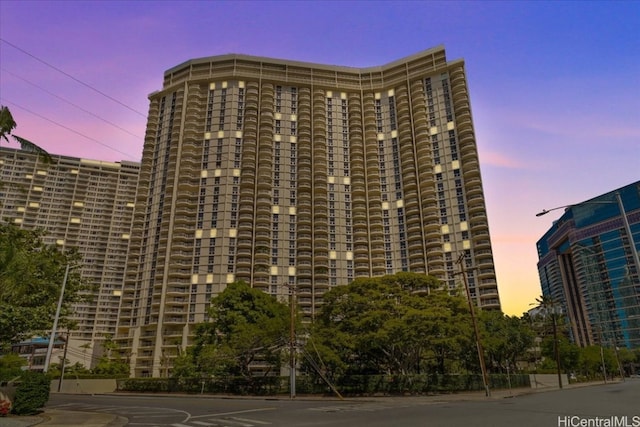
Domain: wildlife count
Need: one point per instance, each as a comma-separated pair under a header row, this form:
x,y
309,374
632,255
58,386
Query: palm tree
x,y
7,124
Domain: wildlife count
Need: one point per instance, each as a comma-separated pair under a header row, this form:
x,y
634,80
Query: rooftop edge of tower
x,y
298,72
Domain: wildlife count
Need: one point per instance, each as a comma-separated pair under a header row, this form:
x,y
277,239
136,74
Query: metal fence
x,y
353,385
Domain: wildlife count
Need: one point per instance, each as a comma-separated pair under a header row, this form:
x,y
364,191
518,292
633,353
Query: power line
x,y
73,78
69,129
71,103
80,353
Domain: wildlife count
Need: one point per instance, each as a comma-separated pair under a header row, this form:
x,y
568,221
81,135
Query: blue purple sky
x,y
555,86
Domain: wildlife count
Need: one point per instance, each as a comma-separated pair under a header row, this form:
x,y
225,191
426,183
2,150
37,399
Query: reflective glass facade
x,y
587,262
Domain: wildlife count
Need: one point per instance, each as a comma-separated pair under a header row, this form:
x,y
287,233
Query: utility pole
x,y
556,345
604,367
620,370
64,358
549,306
483,368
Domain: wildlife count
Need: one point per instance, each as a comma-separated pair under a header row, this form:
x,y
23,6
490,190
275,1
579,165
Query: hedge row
x,y
230,385
360,385
56,375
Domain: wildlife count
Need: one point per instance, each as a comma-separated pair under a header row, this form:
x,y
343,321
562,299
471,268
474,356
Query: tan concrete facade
x,y
291,175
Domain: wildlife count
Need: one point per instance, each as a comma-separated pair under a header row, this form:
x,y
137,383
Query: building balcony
x,y
433,243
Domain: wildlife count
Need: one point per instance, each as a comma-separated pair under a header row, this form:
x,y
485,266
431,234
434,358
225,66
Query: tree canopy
x,y
31,277
248,327
506,339
396,324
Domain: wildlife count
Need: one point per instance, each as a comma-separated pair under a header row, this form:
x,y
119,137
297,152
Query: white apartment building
x,y
81,203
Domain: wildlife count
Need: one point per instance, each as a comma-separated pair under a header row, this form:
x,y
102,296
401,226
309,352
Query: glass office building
x,y
588,262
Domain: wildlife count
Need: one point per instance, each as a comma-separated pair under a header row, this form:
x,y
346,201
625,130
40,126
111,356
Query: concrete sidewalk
x,y
62,418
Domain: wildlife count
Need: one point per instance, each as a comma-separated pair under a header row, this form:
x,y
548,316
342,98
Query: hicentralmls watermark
x,y
611,421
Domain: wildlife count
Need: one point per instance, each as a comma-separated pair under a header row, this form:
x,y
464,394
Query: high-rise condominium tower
x,y
84,204
291,175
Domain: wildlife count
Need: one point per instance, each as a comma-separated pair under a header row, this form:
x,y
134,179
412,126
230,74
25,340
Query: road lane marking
x,y
251,421
149,415
361,407
232,421
224,421
222,414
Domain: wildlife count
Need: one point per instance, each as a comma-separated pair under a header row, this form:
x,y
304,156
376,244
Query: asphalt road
x,y
616,404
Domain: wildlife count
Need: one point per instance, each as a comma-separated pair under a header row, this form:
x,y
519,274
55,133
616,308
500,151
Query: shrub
x,y
11,366
32,393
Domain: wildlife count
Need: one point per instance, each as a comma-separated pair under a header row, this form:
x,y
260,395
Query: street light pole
x,y
52,338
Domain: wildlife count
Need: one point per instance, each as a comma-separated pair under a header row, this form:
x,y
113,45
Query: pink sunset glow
x,y
555,86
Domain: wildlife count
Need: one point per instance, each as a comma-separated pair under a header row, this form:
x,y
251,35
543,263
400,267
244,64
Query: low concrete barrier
x,y
547,380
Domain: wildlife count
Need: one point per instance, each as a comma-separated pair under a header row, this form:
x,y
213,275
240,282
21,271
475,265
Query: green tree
x,y
111,362
505,339
557,350
106,366
591,359
8,124
449,333
626,358
247,326
11,366
396,324
31,277
184,365
568,353
54,370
